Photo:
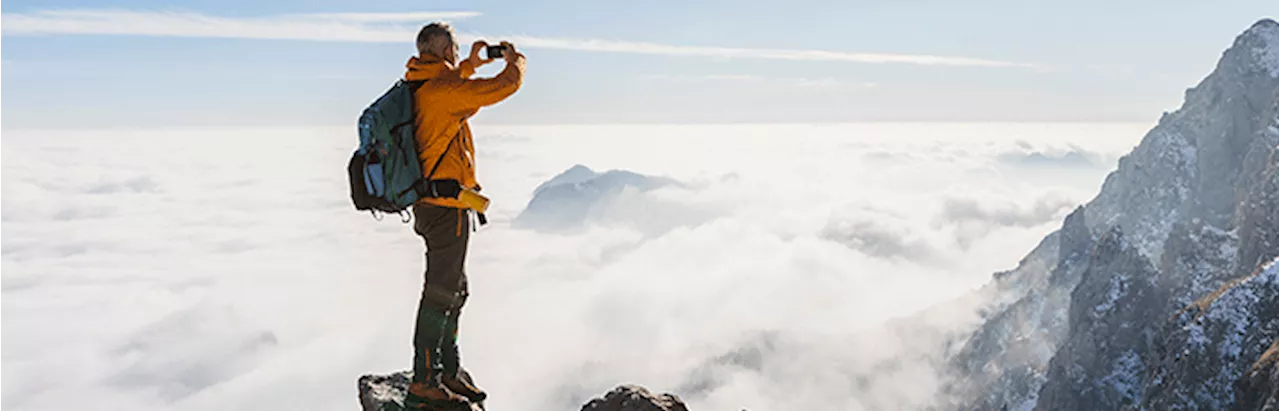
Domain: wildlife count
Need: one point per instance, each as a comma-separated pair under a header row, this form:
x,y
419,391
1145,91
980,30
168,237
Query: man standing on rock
x,y
447,97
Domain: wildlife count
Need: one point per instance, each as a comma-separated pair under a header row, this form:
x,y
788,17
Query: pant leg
x,y
445,231
449,357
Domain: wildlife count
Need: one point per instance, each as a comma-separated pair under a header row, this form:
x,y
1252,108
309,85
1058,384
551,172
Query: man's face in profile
x,y
451,52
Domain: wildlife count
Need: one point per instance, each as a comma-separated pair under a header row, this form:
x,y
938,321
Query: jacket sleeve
x,y
472,94
466,68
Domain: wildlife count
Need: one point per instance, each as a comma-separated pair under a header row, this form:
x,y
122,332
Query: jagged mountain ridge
x,y
1189,211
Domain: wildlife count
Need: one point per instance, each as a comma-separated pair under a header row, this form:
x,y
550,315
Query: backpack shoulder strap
x,y
421,185
441,158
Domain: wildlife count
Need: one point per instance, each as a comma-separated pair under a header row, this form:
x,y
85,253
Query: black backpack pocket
x,y
360,196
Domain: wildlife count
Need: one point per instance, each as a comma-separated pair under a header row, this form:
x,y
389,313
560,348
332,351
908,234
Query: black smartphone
x,y
494,52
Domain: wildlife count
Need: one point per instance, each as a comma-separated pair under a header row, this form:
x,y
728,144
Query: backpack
x,y
385,172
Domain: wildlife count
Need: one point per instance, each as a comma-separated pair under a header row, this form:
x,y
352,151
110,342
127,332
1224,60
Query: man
x,y
447,98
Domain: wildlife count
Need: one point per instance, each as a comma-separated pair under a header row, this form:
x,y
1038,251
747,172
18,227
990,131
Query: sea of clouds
x,y
217,269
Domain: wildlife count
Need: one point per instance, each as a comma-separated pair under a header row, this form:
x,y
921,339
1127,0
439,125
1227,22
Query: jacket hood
x,y
425,68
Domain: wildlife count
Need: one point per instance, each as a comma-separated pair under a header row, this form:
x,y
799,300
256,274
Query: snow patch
x,y
1221,332
1266,53
1029,404
1124,377
1231,309
1118,286
1196,337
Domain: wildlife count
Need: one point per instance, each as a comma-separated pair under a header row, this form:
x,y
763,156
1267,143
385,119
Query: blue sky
x,y
87,64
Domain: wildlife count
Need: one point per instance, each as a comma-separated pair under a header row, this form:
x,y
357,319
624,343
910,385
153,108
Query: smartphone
x,y
494,52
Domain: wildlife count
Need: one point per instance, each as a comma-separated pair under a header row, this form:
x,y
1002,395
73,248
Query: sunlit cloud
x,y
397,27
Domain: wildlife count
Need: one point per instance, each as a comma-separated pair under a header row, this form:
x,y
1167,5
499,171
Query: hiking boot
x,y
427,397
460,383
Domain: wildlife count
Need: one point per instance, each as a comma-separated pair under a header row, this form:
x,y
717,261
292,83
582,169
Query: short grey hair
x,y
435,38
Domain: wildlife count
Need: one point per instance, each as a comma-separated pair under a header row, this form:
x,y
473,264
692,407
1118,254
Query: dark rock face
x,y
1256,390
1099,365
1198,259
1157,297
1256,213
387,392
634,398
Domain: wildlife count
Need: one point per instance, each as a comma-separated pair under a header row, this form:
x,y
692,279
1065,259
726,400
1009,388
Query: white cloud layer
x,y
397,28
224,269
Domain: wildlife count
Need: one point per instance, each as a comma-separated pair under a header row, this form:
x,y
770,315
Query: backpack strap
x,y
413,91
441,158
421,185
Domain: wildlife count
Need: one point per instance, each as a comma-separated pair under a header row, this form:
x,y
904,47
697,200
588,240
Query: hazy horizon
x,y
503,125
72,63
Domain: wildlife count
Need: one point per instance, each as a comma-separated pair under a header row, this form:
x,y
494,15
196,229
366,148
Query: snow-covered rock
x,y
1213,342
1190,164
1190,213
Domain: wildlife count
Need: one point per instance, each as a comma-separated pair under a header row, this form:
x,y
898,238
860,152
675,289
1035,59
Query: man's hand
x,y
511,54
476,49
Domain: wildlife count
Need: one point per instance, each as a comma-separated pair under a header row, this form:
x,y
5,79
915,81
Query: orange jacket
x,y
445,101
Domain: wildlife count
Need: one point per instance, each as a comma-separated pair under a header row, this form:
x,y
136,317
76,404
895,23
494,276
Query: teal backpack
x,y
385,173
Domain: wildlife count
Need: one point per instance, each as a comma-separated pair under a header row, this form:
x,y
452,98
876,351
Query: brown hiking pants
x,y
444,290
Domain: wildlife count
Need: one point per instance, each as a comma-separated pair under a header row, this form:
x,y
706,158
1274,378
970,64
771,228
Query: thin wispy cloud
x,y
599,45
360,27
407,17
751,78
397,27
734,77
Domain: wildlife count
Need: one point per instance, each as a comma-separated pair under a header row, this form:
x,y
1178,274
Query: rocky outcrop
x,y
635,398
1189,214
383,392
386,393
